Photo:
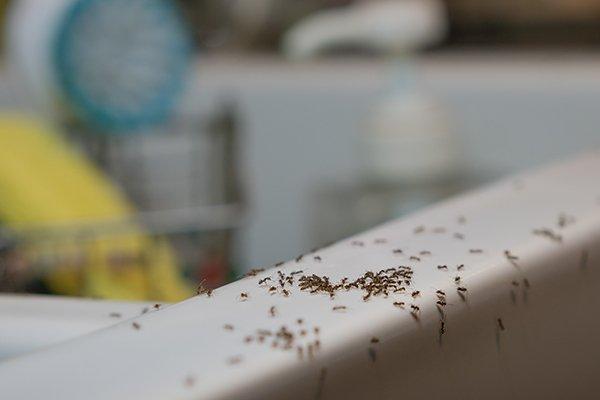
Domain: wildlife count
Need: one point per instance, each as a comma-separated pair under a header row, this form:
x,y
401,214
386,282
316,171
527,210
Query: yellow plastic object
x,y
44,183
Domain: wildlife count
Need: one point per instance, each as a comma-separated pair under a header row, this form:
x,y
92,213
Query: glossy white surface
x,y
544,347
29,323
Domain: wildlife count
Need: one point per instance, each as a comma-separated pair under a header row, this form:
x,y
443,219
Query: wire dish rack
x,y
183,181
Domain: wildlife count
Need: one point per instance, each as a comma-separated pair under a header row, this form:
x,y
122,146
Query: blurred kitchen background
x,y
149,145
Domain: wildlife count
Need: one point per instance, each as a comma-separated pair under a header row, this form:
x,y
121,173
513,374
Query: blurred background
x,y
149,145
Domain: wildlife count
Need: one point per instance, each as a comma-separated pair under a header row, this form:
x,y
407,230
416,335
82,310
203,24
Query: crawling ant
x,y
228,327
457,279
189,381
203,290
459,236
415,293
357,243
264,280
415,311
156,306
399,303
254,272
234,360
564,220
440,293
441,303
244,296
285,292
299,321
296,272
442,267
510,256
136,326
374,340
397,251
279,264
425,253
299,258
272,289
500,324
415,258
461,289
316,330
460,267
317,258
442,328
419,229
273,311
548,233
145,310
339,308
115,315
380,241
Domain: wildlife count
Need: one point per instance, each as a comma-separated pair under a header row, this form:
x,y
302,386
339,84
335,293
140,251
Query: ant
x,y
115,315
415,258
460,267
228,327
235,360
189,381
442,267
273,311
264,280
459,236
500,324
415,293
317,258
374,340
397,251
244,295
136,326
339,308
